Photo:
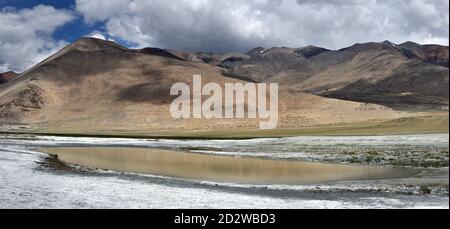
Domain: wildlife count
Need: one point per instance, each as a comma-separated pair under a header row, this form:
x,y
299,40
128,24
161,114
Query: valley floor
x,y
423,123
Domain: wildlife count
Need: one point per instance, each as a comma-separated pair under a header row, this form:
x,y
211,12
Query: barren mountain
x,y
99,85
405,75
7,76
435,54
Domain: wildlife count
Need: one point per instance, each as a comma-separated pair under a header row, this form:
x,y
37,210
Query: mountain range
x,y
99,85
408,74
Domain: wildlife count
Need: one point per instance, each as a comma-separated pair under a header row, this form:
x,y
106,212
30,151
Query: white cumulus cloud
x,y
99,35
25,35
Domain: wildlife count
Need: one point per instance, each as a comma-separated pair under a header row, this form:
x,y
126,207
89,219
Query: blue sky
x,y
20,4
68,32
31,30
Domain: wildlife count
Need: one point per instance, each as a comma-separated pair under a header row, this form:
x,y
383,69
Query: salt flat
x,y
29,179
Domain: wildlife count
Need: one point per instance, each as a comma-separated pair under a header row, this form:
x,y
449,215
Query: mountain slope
x,y
434,54
98,85
406,75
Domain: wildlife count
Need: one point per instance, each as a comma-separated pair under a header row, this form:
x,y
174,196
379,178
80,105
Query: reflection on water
x,y
219,168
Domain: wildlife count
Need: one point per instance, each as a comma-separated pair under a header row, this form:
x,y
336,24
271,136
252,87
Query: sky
x,y
31,30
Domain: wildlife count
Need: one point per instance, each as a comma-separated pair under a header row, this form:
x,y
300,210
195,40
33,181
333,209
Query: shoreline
x,y
424,181
430,124
213,137
203,167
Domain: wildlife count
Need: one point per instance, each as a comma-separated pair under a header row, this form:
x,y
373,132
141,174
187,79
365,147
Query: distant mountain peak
x,y
7,76
409,43
159,52
256,51
386,42
95,44
310,51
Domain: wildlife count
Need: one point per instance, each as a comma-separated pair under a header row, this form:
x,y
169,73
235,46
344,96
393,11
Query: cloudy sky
x,y
30,30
